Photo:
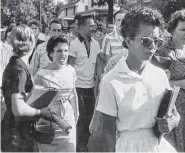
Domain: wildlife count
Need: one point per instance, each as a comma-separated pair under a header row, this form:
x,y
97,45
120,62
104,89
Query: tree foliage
x,y
166,7
20,11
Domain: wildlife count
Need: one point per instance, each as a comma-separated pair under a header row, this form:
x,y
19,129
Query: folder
x,y
40,97
166,107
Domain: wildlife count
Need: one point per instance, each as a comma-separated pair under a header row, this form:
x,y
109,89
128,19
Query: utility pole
x,y
40,12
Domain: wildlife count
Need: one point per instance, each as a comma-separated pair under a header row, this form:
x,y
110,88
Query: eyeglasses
x,y
150,43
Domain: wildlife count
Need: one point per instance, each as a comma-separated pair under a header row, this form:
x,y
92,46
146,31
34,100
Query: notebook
x,y
166,107
40,97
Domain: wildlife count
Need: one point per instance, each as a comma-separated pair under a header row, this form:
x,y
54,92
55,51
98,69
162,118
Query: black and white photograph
x,y
92,76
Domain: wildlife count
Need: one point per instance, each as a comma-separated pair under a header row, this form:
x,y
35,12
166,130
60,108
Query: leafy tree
x,y
168,7
20,11
125,4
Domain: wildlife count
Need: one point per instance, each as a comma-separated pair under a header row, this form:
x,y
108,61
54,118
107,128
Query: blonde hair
x,y
22,40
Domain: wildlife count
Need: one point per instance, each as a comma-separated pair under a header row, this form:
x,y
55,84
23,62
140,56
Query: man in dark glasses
x,y
130,93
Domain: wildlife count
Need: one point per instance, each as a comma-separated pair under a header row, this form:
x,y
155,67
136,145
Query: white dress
x,y
134,100
64,80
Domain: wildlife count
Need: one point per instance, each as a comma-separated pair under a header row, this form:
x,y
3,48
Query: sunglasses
x,y
150,43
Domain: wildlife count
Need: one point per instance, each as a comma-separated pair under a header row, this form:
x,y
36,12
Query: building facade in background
x,y
84,8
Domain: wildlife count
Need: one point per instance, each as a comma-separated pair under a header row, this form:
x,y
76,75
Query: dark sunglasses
x,y
150,43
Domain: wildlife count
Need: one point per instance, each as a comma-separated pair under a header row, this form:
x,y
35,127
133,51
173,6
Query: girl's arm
x,y
105,134
180,83
20,108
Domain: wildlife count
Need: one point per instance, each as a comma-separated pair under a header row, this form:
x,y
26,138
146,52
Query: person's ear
x,y
127,42
51,54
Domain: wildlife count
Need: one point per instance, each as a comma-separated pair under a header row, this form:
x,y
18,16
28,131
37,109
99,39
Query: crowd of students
x,y
116,76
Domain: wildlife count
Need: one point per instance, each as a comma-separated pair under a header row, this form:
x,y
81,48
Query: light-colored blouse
x,y
133,99
63,80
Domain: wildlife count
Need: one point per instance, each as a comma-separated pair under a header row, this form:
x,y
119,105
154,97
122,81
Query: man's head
x,y
96,25
118,17
76,20
86,26
46,31
35,26
110,27
55,27
140,29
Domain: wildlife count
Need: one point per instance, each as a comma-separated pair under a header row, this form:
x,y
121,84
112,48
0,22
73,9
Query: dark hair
x,y
121,11
9,29
35,22
141,15
55,21
77,17
52,42
175,18
83,20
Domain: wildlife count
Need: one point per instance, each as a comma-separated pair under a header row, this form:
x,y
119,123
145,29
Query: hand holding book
x,y
167,117
167,123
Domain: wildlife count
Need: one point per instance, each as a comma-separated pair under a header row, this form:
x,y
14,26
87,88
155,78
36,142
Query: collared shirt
x,y
40,58
133,99
82,40
17,79
84,65
112,44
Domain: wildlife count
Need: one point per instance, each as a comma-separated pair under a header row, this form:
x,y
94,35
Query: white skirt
x,y
141,140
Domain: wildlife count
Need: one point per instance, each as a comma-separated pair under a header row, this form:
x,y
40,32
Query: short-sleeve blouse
x,y
16,79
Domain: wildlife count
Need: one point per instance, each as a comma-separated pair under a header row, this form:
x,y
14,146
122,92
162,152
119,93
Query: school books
x,y
40,97
166,107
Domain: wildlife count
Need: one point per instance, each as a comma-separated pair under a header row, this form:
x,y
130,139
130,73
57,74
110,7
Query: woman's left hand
x,y
167,123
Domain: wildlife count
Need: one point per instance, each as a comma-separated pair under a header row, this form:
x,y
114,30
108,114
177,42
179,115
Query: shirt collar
x,y
122,67
82,38
18,61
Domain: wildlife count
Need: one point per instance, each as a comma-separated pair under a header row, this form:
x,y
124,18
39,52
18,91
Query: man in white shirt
x,y
130,93
82,55
40,58
111,46
112,43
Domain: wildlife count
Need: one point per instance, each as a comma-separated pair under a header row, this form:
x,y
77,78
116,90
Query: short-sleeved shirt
x,y
84,65
112,44
16,79
40,58
133,99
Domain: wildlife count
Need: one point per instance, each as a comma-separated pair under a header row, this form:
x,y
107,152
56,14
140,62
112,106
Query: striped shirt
x,y
112,44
